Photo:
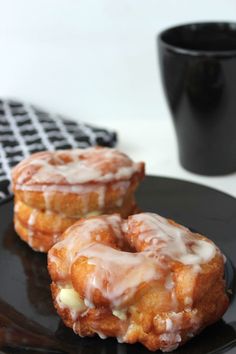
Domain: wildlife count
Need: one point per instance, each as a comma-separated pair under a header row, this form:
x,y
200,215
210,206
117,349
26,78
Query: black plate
x,y
28,321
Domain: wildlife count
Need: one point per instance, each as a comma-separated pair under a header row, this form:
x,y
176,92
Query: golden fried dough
x,y
145,279
37,240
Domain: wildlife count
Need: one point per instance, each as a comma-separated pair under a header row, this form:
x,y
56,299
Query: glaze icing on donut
x,y
148,275
158,235
155,239
77,182
73,167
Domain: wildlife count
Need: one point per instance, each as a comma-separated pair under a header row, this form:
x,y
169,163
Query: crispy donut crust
x,y
45,222
37,240
73,205
41,230
157,314
146,321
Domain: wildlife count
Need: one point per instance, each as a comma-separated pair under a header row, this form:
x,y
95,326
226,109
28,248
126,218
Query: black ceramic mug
x,y
198,69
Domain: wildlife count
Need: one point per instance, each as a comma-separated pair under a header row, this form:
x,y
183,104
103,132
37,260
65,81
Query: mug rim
x,y
196,52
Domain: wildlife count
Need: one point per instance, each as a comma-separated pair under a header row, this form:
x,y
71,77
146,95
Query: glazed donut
x,y
55,189
145,279
77,182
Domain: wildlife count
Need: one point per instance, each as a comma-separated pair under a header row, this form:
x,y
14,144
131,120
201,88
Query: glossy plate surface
x,y
28,321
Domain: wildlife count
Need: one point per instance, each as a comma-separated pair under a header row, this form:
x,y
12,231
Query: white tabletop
x,y
154,142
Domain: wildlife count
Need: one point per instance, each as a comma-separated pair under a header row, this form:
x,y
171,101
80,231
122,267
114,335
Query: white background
x,y
96,60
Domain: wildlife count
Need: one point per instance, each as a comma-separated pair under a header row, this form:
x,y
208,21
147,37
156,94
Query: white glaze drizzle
x,y
101,335
100,165
122,271
82,235
47,195
125,271
171,341
85,202
101,191
16,207
169,240
32,217
31,222
30,237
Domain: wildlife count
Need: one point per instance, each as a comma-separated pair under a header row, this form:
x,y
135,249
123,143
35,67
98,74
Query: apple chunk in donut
x,y
145,279
55,189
